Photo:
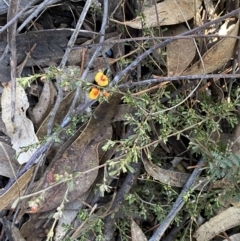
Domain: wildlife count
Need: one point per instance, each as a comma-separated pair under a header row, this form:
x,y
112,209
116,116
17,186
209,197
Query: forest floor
x,y
119,120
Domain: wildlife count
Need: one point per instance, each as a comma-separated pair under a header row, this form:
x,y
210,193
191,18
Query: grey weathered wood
x,y
4,7
50,47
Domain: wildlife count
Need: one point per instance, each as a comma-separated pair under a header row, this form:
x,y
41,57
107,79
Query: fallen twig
x,y
102,32
11,37
179,203
124,40
125,188
40,7
16,17
177,78
63,63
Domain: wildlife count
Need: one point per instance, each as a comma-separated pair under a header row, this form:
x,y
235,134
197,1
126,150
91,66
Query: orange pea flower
x,y
106,94
94,93
101,79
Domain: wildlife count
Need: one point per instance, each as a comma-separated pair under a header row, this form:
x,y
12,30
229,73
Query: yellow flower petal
x,y
101,79
94,93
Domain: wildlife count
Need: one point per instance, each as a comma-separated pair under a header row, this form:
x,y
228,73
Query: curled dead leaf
x,y
172,178
45,103
217,55
169,12
225,220
180,53
8,165
136,232
61,112
15,190
21,130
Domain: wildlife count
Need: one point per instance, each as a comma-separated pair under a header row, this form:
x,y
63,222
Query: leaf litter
x,y
71,174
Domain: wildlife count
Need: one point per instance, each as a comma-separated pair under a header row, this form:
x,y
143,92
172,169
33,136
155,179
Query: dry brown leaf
x,y
121,111
35,228
15,189
168,13
21,131
136,232
217,55
180,53
172,178
81,156
45,103
220,223
8,165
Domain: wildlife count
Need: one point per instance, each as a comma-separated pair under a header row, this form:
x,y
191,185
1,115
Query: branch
x,y
125,188
11,38
97,51
130,67
16,17
176,78
179,203
63,63
141,57
39,8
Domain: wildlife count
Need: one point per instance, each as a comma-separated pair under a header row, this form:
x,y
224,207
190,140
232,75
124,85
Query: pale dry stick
x,y
57,216
78,90
6,3
125,188
15,18
11,37
117,6
177,78
119,76
77,231
63,63
178,104
75,34
39,16
132,39
179,203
